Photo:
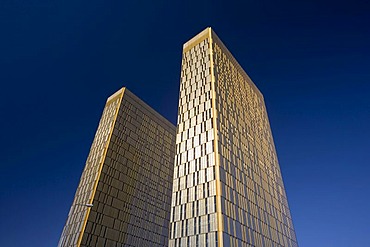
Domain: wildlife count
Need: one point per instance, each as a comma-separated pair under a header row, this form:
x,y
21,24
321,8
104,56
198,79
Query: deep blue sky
x,y
60,60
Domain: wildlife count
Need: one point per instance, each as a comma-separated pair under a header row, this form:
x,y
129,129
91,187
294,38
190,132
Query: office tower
x,y
227,189
128,179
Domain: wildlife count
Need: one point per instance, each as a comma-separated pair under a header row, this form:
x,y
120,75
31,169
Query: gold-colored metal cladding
x,y
227,188
117,97
127,178
194,213
223,131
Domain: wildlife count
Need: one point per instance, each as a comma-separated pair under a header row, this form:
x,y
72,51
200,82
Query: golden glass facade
x,y
227,188
128,179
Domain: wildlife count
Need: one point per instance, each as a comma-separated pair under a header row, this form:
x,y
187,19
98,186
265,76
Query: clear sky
x,y
60,60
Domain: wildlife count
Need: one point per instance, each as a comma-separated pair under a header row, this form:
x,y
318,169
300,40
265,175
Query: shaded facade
x,y
128,179
227,188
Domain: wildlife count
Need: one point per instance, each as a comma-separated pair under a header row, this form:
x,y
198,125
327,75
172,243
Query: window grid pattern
x,y
254,204
133,196
193,211
78,212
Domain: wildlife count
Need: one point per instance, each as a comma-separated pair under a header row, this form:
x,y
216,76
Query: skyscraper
x,y
227,188
127,179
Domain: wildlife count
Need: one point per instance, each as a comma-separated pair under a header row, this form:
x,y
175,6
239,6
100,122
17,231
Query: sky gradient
x,y
60,60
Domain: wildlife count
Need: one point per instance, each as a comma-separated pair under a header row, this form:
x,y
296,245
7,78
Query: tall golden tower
x,y
227,188
124,194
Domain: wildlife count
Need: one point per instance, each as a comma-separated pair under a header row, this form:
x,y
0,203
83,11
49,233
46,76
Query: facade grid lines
x,y
214,181
223,130
128,179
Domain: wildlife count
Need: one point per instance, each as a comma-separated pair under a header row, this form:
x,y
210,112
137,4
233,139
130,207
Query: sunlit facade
x,y
220,168
227,188
127,178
